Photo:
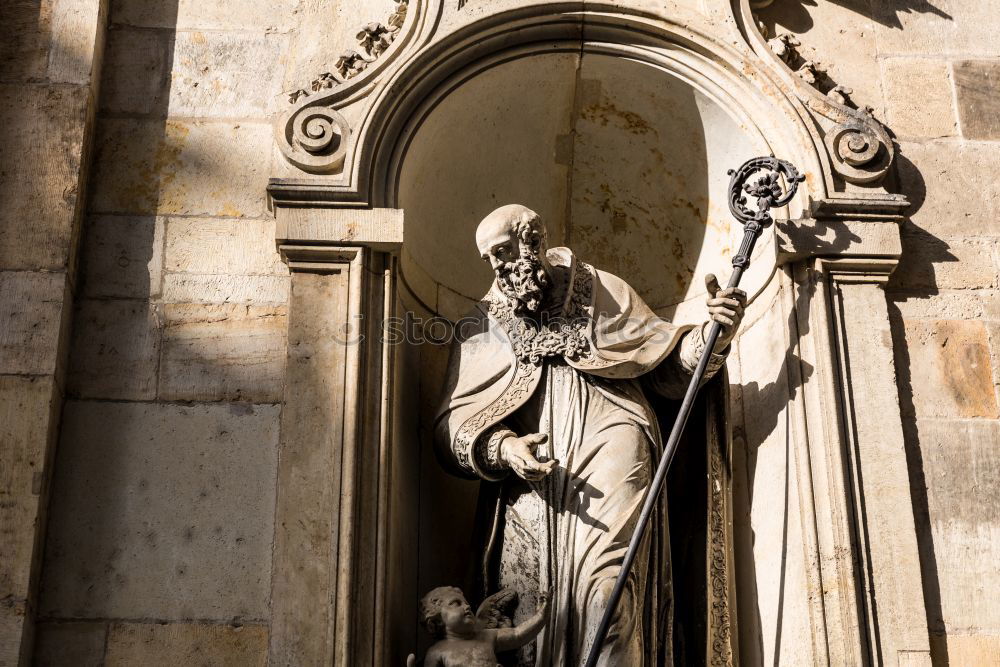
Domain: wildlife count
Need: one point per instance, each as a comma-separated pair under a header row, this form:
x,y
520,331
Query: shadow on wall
x,y
795,16
771,406
84,552
921,252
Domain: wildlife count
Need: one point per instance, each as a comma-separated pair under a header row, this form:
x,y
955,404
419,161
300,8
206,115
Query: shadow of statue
x,y
915,279
795,15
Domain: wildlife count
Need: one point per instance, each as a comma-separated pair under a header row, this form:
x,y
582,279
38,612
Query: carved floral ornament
x,y
314,134
859,146
374,39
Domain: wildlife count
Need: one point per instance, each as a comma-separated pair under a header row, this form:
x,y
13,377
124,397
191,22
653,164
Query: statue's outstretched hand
x,y
519,453
725,306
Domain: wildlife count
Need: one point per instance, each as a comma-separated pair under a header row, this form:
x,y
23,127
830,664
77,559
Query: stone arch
x,y
363,135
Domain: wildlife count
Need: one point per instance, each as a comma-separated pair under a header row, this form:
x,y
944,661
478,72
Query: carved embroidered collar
x,y
562,330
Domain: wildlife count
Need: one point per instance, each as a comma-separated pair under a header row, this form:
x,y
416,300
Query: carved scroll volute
x,y
860,149
313,135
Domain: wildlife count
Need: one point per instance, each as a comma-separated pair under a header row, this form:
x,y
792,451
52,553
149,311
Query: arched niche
x,y
617,122
626,162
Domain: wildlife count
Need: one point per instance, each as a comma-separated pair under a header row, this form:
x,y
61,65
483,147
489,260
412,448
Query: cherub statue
x,y
465,640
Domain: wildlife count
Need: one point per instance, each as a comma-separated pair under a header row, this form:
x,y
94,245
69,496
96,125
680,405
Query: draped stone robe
x,y
581,377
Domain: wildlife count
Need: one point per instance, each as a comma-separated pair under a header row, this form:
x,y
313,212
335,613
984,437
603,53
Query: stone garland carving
x,y
316,134
859,146
783,45
374,39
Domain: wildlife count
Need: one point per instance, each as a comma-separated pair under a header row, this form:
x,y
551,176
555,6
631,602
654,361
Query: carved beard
x,y
524,282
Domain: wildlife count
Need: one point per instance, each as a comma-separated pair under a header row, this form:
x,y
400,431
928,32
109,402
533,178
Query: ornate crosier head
x,y
512,240
445,608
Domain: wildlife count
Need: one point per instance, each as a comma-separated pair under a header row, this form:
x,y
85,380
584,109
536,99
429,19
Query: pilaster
x,y
331,553
869,465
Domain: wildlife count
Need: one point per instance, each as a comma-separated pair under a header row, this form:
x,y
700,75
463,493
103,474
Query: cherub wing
x,y
496,610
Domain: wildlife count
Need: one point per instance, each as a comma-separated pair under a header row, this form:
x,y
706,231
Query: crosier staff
x,y
768,192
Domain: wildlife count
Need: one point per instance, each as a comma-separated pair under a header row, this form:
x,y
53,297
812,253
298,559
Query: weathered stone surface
x,y
122,256
952,304
976,85
935,28
29,408
962,468
24,52
452,305
765,385
161,511
379,228
930,263
15,629
225,74
950,368
132,644
836,35
116,349
974,649
188,168
227,247
954,186
417,280
41,142
309,475
320,24
78,27
80,644
250,15
221,288
991,304
223,352
31,316
918,97
134,76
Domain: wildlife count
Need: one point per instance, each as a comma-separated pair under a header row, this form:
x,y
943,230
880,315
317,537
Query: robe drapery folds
x,y
575,377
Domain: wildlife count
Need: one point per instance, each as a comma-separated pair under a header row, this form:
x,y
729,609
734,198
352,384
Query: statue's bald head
x,y
512,240
511,225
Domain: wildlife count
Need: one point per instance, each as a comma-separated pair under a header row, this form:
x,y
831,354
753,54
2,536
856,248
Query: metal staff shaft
x,y
768,193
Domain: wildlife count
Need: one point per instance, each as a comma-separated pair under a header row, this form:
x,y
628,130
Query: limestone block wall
x,y
159,542
49,61
158,548
932,72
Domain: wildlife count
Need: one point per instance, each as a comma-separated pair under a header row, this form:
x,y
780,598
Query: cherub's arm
x,y
508,639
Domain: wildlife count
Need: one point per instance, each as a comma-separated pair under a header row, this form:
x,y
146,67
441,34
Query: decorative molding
x,y
857,269
783,45
375,39
385,89
377,228
315,134
317,258
860,149
335,532
890,616
860,230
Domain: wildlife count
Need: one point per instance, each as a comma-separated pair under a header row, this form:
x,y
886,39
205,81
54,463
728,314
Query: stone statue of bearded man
x,y
548,397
